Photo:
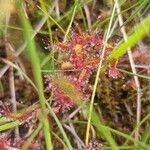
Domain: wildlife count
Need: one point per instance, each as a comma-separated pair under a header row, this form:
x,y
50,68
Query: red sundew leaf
x,y
70,89
141,57
113,71
83,41
23,115
92,61
63,47
79,50
4,144
67,92
129,85
62,102
20,116
66,66
76,61
84,53
83,75
76,38
86,39
18,143
5,108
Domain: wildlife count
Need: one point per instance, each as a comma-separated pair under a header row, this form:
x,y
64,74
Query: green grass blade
x,y
1,89
141,30
90,116
72,17
146,135
53,20
60,140
139,75
100,128
95,120
31,138
136,11
37,74
4,120
9,125
61,128
145,146
146,118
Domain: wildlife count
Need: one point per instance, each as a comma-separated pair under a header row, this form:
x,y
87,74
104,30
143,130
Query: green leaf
x,y
9,125
146,135
96,121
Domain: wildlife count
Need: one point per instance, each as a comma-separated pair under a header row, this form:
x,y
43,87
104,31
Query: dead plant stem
x,y
11,77
87,13
138,112
13,95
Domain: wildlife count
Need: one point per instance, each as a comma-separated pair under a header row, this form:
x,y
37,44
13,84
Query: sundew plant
x,y
74,75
